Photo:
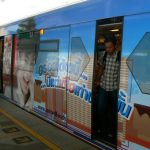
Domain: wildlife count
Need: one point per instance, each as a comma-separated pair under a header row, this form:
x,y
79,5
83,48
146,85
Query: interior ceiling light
x,y
114,30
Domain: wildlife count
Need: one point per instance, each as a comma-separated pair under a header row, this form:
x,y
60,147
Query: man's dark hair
x,y
110,38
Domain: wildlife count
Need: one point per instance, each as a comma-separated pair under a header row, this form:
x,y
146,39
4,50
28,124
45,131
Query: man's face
x,y
110,47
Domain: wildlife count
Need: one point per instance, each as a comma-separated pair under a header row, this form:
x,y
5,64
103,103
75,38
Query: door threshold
x,y
104,142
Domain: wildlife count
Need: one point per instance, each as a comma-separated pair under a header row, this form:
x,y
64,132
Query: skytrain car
x,y
49,68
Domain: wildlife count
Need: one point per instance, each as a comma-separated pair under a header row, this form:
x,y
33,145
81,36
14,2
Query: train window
x,y
79,58
49,50
138,65
51,46
106,80
26,48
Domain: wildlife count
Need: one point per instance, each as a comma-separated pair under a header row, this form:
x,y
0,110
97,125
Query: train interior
x,y
102,133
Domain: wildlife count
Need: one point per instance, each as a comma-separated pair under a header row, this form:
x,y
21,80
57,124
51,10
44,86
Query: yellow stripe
x,y
36,135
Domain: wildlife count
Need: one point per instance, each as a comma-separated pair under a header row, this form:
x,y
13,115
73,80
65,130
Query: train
x,y
48,67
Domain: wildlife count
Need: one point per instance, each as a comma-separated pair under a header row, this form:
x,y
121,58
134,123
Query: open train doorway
x,y
1,63
106,80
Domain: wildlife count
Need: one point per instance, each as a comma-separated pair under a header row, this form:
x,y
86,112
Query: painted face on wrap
x,y
24,73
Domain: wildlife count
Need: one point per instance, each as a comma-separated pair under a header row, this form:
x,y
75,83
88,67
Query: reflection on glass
x,y
138,64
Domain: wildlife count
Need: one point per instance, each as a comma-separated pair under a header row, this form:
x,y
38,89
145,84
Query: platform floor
x,y
20,130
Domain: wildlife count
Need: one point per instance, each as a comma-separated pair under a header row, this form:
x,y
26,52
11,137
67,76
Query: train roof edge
x,y
86,11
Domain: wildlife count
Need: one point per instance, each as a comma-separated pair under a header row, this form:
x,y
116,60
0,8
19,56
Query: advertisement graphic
x,y
81,56
50,75
24,54
1,64
134,122
62,87
7,66
125,109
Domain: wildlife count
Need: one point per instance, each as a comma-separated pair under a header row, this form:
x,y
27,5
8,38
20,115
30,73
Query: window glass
x,y
48,50
138,60
49,45
79,58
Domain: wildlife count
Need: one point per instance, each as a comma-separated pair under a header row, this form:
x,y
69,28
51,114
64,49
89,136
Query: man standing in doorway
x,y
108,92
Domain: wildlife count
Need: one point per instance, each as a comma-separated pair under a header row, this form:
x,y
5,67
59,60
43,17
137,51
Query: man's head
x,y
110,44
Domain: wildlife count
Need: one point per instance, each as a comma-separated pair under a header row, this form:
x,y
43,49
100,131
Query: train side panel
x,y
134,94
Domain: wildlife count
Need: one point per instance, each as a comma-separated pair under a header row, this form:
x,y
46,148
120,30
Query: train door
x,y
1,64
81,58
50,74
106,80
